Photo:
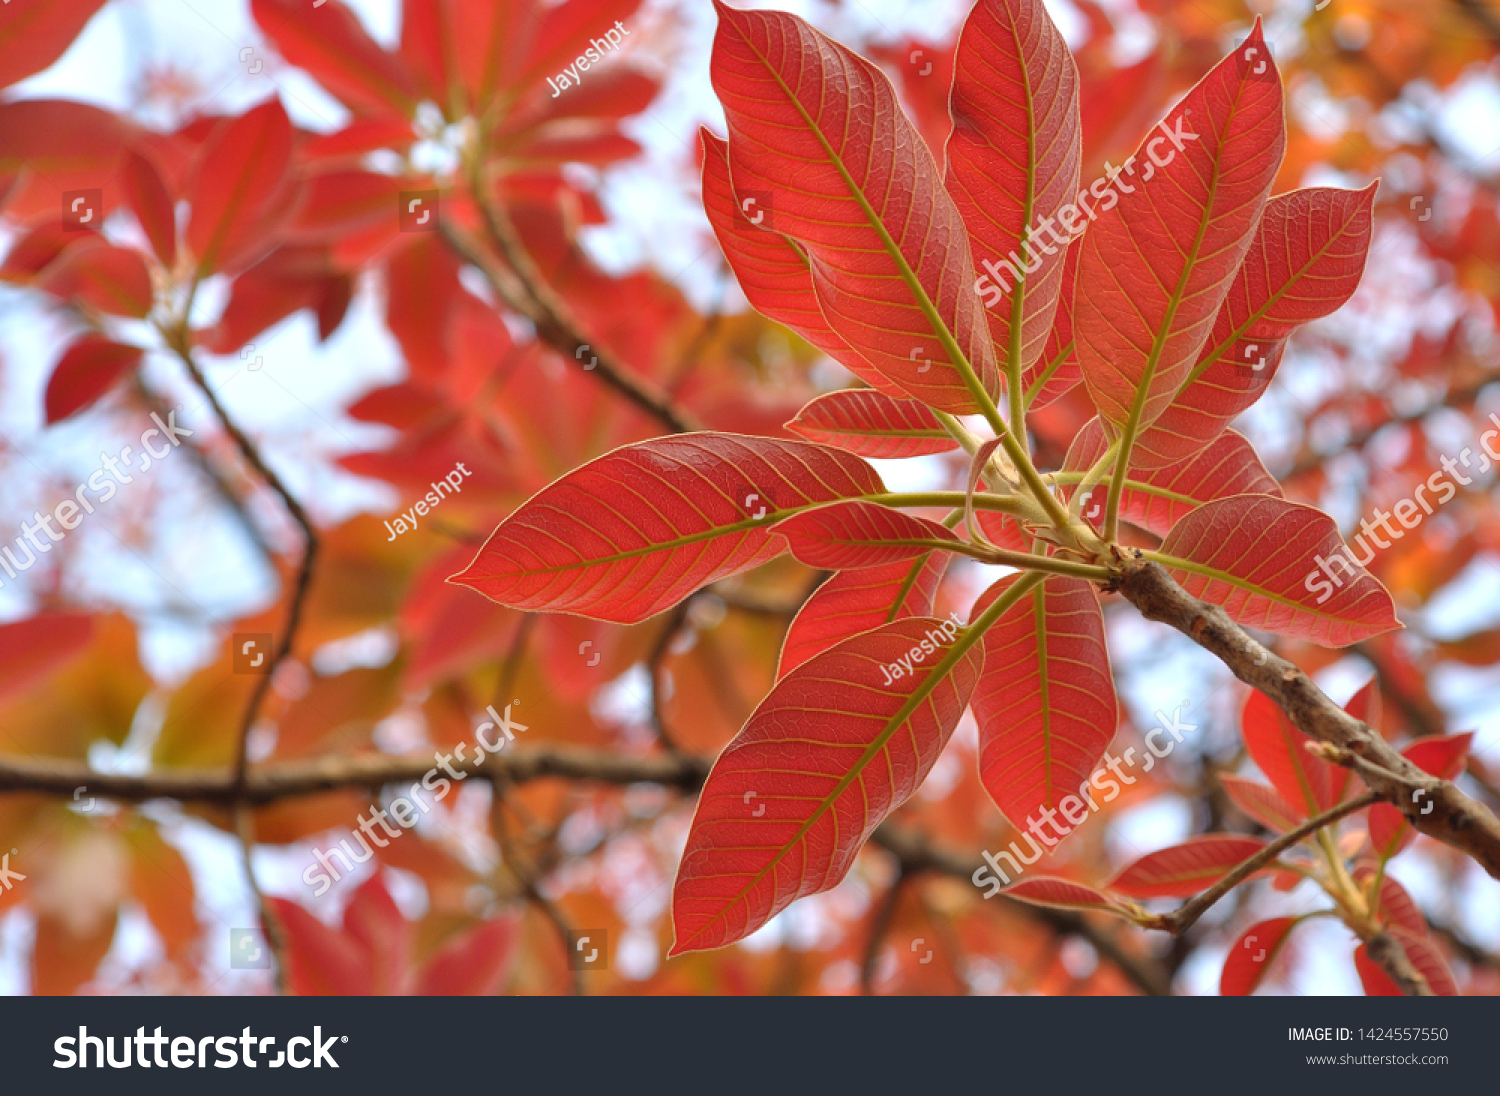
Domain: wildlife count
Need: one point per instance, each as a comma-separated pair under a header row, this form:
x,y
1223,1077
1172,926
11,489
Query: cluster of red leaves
x,y
840,224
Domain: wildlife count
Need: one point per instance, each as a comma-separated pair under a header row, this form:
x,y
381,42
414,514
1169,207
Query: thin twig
x,y
1432,805
880,924
1183,918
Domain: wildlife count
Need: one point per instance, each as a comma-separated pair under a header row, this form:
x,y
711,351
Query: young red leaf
x,y
372,920
328,41
1157,265
872,424
1423,956
1045,890
851,535
1157,499
149,200
839,744
242,167
1304,263
336,203
1305,781
320,961
852,602
110,279
1181,871
88,369
1046,703
637,530
35,33
1013,165
40,247
817,136
772,271
1395,905
1003,530
1260,557
1251,957
554,35
1442,757
472,964
1261,803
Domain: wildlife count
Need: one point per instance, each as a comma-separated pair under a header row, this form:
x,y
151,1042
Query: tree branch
x,y
275,781
1184,917
1433,806
1386,950
524,291
915,853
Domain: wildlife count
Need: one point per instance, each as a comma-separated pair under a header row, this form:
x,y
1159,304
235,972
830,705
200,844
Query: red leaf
x,y
816,131
1305,781
284,282
373,920
562,32
111,279
1013,165
795,795
337,203
1250,959
421,286
31,648
1156,499
850,535
359,137
472,964
35,33
1304,263
1046,890
1261,803
1181,871
1423,956
1259,558
1046,703
242,167
1395,905
771,270
852,602
147,196
329,42
88,369
40,247
1442,757
872,424
637,530
1157,265
58,137
320,961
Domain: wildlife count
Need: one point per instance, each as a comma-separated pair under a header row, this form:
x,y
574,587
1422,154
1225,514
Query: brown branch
x,y
916,853
675,619
1483,17
880,924
275,781
1185,916
523,290
526,876
1435,807
179,339
1387,951
269,783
